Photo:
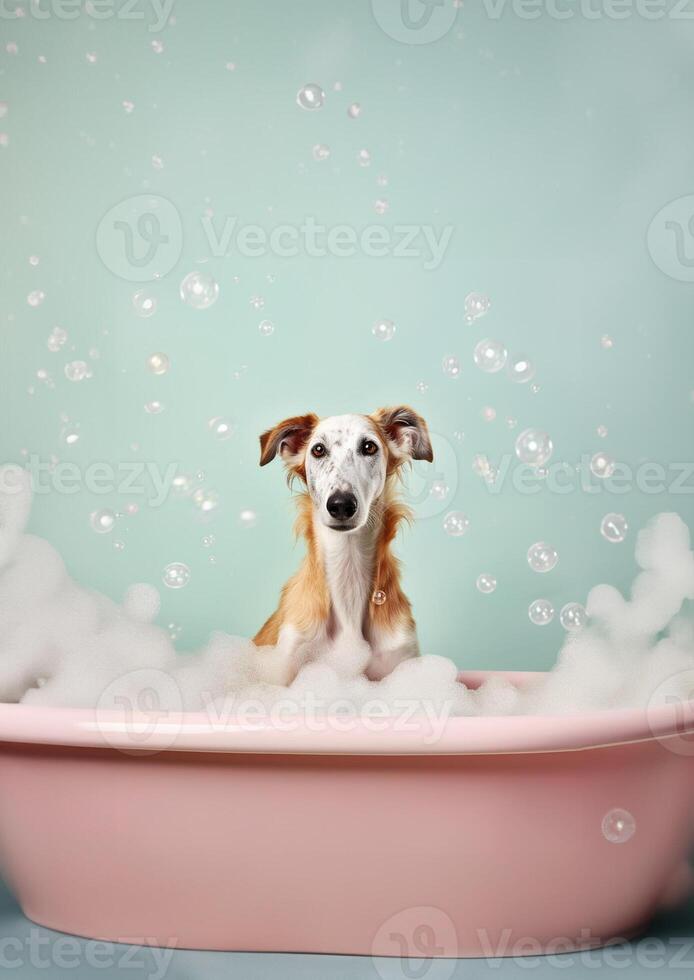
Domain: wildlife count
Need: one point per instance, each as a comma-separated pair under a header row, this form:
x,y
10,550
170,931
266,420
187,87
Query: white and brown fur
x,y
329,599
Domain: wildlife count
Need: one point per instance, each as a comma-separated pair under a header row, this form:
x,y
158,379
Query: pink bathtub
x,y
497,837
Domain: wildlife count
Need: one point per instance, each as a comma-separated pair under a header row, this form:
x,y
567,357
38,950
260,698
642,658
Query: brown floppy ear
x,y
406,432
287,438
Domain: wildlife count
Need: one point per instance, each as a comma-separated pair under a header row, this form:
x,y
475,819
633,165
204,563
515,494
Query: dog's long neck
x,y
346,569
348,561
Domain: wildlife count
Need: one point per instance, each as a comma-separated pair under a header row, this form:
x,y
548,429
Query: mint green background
x,y
548,145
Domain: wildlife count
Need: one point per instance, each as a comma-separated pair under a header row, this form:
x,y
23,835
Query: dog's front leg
x,y
280,664
388,649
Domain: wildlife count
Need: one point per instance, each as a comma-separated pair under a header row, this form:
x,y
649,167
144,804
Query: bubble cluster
x,y
176,575
455,523
573,616
486,584
534,447
57,339
476,305
383,329
451,366
77,371
199,290
520,369
602,465
490,355
221,428
102,521
158,363
310,96
614,527
541,612
618,826
542,557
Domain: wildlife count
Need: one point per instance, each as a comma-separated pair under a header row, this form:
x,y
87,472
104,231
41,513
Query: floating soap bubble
x,y
481,465
70,433
451,366
143,303
490,355
77,371
119,545
57,339
157,46
34,260
602,466
102,521
36,297
618,826
157,162
91,57
422,387
4,139
486,584
321,152
383,329
573,616
257,302
382,180
476,305
248,518
199,290
266,328
602,431
534,447
456,523
176,575
614,527
128,106
354,110
12,47
488,413
310,96
154,407
439,489
542,557
381,206
182,485
511,422
132,509
221,428
541,612
4,106
206,500
520,369
364,158
536,389
158,363
208,541
378,598
606,342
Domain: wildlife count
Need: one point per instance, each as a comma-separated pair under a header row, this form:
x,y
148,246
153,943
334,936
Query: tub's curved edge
x,y
672,724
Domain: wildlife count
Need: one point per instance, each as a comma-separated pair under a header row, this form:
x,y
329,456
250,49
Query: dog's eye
x,y
318,450
369,447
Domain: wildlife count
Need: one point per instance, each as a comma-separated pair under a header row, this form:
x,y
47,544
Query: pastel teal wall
x,y
547,146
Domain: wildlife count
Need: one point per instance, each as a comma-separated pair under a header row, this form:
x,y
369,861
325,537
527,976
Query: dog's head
x,y
344,460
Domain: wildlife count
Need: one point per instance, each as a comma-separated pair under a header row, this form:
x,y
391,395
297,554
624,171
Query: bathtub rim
x,y
490,735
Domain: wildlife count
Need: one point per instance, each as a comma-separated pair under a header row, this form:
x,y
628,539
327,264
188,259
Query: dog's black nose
x,y
341,505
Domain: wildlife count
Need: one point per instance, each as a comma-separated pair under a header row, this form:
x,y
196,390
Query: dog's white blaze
x,y
344,467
